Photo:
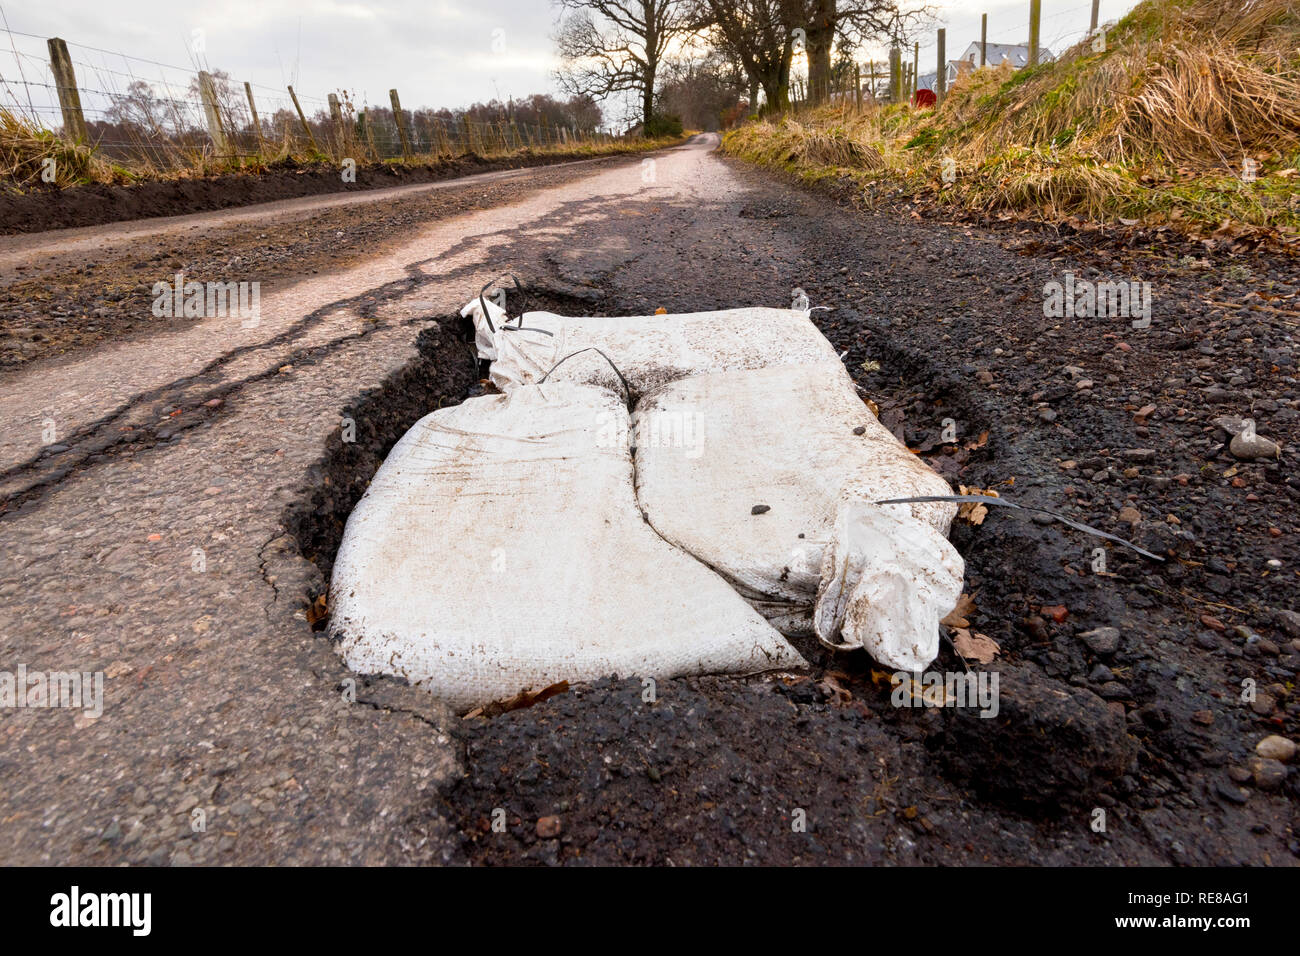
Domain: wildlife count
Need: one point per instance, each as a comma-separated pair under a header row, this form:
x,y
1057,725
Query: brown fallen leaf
x,y
974,512
318,610
525,698
975,647
957,617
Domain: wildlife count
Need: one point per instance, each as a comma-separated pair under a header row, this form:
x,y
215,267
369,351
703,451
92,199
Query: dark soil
x,y
93,205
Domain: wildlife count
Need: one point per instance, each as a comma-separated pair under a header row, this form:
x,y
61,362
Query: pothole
x,y
842,709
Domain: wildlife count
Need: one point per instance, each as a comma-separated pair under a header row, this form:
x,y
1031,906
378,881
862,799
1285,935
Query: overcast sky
x,y
435,52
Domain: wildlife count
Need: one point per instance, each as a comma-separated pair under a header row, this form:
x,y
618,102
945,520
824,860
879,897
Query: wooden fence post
x,y
336,115
400,120
252,108
857,85
984,39
941,77
895,74
916,67
208,93
1092,25
302,118
1035,21
65,78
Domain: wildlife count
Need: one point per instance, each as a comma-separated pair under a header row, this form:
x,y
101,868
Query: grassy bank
x,y
1189,117
27,152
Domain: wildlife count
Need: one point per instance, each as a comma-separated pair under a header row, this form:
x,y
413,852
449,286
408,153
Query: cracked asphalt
x,y
171,493
145,541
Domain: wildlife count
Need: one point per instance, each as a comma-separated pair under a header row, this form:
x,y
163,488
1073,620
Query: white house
x,y
1016,54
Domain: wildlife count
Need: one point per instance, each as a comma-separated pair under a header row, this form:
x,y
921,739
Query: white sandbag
x,y
887,580
649,350
710,448
500,548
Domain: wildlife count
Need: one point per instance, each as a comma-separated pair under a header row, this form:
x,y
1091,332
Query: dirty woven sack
x,y
712,450
648,350
500,548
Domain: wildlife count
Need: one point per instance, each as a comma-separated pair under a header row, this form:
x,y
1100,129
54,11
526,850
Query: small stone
x,y
1275,747
860,430
1230,793
760,509
1203,717
1101,640
1114,690
1213,623
1268,774
1057,612
549,827
1288,621
1130,516
1251,447
1143,455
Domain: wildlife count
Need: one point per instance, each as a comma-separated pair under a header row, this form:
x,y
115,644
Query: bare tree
x,y
758,35
764,35
702,86
617,46
852,22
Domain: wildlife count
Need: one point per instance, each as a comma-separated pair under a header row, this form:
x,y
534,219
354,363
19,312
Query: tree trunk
x,y
820,42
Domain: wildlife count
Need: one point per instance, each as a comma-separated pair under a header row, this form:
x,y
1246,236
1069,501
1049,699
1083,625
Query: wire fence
x,y
1059,32
146,111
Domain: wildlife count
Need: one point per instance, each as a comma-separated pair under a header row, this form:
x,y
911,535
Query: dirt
x,y
95,204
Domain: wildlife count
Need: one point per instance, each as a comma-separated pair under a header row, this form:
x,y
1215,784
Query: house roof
x,y
1017,53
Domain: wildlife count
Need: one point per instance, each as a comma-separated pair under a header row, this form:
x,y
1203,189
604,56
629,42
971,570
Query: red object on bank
x,y
923,98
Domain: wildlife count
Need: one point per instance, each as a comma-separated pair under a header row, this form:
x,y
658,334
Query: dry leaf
x,y
525,698
318,610
957,616
975,647
974,512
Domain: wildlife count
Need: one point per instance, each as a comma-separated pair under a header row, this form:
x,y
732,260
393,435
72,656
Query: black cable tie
x,y
627,389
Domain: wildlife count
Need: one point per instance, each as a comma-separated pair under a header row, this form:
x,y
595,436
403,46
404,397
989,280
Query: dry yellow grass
x,y
29,154
1161,125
